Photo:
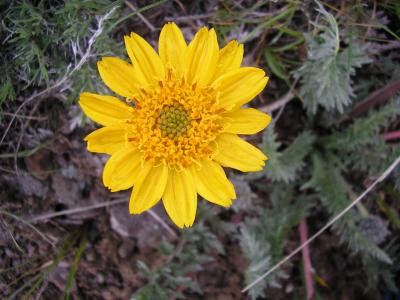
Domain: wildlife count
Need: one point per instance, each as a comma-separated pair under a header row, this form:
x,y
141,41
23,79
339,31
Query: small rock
x,y
26,185
143,227
126,248
90,256
289,288
99,278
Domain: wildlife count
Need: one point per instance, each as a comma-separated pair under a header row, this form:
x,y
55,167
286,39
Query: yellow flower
x,y
180,122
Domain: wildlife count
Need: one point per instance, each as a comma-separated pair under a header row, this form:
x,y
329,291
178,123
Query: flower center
x,y
173,120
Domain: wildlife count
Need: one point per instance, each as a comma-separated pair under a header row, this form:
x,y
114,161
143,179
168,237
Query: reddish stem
x,y
306,260
378,97
393,135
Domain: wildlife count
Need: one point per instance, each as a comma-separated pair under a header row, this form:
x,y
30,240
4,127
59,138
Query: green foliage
x,y
7,93
258,253
332,156
379,272
285,165
45,42
262,238
164,282
325,75
364,131
361,145
275,64
187,256
333,192
74,268
245,197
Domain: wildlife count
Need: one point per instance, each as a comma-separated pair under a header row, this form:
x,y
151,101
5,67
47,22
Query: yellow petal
x,y
107,139
234,152
239,86
180,198
202,57
119,76
245,121
122,169
105,110
230,58
212,183
145,60
172,47
149,187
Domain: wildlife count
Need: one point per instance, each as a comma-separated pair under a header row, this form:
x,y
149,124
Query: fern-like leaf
x,y
364,131
332,189
285,165
325,75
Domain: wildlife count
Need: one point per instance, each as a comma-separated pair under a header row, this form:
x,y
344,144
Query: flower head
x,y
179,122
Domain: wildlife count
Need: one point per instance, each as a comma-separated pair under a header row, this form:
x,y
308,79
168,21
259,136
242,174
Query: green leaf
x,y
332,190
325,75
364,131
7,92
275,64
285,165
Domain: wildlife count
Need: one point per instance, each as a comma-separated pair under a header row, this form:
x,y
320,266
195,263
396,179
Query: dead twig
x,y
78,210
378,97
278,103
141,17
162,223
24,117
6,213
189,18
21,135
17,246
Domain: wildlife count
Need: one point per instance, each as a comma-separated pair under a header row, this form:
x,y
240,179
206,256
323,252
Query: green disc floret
x,y
173,120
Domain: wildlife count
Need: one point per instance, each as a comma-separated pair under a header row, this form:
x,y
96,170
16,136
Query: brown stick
x,y
378,97
141,17
278,103
77,210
